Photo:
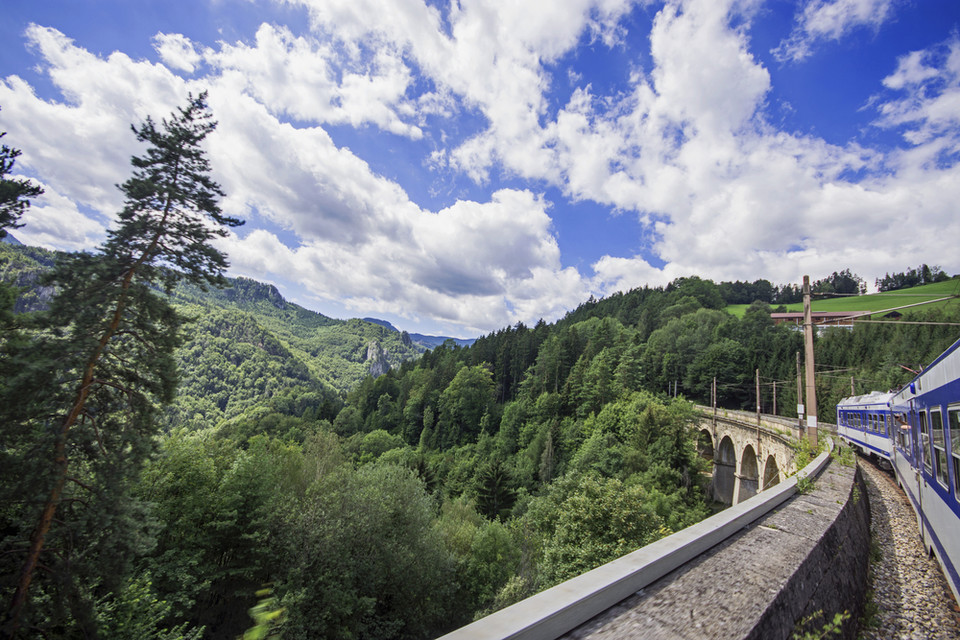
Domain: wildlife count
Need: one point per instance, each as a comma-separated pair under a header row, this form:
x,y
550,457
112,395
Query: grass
x,y
877,301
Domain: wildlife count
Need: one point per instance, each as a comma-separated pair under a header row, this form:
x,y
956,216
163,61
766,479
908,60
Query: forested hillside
x,y
450,485
179,449
244,346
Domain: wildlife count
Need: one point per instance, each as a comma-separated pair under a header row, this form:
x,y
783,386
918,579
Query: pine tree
x,y
14,200
494,489
83,405
14,193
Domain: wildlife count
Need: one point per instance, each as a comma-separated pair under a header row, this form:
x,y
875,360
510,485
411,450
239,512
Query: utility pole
x,y
853,389
774,397
811,404
757,382
713,401
799,397
756,379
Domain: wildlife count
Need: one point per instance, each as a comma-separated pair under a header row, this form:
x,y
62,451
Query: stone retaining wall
x,y
808,558
833,576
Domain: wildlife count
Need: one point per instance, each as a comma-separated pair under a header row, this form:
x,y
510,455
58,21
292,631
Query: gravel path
x,y
910,592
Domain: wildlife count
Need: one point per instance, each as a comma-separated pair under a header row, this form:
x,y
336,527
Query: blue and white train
x,y
921,423
866,423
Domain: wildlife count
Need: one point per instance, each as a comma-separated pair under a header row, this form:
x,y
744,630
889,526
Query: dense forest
x,y
186,456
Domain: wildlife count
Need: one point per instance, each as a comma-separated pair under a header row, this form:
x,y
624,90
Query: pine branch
x,y
96,430
80,484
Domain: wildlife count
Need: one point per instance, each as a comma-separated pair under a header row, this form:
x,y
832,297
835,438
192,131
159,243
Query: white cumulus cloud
x,y
820,20
682,144
176,51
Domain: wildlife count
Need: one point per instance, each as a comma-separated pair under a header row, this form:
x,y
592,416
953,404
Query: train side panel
x,y
927,456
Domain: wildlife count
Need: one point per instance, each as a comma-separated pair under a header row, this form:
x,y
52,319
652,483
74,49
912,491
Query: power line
x,y
938,324
879,294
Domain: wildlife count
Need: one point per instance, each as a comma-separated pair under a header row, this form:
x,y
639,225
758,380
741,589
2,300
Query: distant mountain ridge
x,y
427,342
336,353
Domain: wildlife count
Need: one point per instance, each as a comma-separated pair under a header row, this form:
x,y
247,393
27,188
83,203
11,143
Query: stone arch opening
x,y
771,472
705,445
749,474
724,471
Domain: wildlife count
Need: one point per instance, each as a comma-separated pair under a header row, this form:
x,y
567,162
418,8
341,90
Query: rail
x,y
551,613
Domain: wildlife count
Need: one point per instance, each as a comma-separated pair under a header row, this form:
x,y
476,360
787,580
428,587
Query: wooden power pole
x,y
756,382
713,401
799,396
811,403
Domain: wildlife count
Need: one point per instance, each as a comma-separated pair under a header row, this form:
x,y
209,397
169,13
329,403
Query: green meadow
x,y
880,301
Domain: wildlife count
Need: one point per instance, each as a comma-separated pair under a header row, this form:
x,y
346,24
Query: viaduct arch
x,y
747,458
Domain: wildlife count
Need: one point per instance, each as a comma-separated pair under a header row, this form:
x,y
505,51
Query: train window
x,y
925,442
939,447
903,433
954,423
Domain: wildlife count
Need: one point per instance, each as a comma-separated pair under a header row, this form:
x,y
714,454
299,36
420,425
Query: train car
x,y
866,423
926,456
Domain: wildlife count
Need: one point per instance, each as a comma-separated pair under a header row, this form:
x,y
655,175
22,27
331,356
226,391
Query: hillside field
x,y
880,301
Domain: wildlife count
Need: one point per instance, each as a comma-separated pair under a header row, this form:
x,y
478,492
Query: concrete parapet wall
x,y
774,423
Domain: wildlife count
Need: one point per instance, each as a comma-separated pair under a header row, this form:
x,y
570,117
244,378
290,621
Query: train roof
x,y
945,368
871,399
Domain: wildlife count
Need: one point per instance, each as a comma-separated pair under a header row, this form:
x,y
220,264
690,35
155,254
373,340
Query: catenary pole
x,y
756,383
799,396
811,403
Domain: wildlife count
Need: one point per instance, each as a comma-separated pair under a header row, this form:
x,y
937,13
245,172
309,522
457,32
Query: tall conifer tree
x,y
14,192
84,401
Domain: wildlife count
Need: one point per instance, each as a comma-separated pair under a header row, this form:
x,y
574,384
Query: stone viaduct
x,y
747,458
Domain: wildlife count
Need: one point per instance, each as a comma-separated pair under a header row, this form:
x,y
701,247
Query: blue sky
x,y
459,167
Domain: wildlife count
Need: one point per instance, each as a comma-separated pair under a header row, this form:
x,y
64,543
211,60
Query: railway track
x,y
910,597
